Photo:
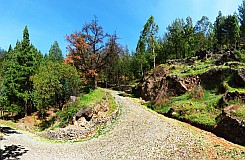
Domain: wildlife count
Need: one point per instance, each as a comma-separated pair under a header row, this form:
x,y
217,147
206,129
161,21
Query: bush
x,y
197,92
65,116
240,54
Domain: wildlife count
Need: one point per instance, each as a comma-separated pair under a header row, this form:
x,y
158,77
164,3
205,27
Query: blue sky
x,y
50,20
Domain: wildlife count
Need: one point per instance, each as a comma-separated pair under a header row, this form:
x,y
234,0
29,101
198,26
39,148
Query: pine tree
x,y
219,33
55,53
19,65
241,17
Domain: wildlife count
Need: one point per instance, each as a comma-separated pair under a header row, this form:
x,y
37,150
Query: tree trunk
x,y
154,58
95,83
142,72
26,109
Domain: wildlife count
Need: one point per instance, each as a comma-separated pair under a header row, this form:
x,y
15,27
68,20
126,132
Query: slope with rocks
x,y
138,133
196,90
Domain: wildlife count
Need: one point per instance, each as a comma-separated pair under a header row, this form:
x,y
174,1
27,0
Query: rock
x,y
240,77
73,99
228,56
203,54
231,127
85,112
159,84
234,96
214,77
82,122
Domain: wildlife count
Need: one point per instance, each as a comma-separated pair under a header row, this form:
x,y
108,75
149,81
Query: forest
x,y
33,81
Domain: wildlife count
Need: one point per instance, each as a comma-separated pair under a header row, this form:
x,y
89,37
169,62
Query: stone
x,y
85,112
73,99
231,127
240,77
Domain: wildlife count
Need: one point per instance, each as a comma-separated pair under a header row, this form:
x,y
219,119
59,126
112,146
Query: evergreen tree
x,y
147,43
203,34
241,16
175,38
18,66
146,50
189,36
55,53
231,30
218,29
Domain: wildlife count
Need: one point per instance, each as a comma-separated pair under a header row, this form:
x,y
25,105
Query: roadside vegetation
x,y
40,86
196,106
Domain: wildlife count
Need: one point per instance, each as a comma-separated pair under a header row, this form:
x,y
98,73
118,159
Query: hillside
x,y
138,133
207,90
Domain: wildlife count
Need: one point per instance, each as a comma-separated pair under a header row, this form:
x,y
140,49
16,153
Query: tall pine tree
x,y
19,65
55,53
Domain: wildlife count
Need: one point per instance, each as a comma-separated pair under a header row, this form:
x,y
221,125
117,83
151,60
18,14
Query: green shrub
x,y
197,92
240,54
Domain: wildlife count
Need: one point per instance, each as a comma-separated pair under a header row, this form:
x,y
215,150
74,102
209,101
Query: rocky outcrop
x,y
228,56
234,96
203,54
214,77
159,84
85,123
85,112
230,126
240,77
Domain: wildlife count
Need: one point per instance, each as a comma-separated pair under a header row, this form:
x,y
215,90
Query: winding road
x,y
138,133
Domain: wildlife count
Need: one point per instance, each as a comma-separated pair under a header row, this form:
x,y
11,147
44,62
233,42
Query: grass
x,y
201,111
93,97
87,100
197,68
113,105
240,112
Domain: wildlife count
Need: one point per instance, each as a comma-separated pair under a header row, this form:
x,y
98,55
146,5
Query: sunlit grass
x,y
93,97
240,112
203,111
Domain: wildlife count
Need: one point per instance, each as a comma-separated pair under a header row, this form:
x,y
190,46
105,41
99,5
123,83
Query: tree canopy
x,y
90,50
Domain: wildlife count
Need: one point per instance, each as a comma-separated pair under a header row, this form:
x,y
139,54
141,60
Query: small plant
x,y
197,92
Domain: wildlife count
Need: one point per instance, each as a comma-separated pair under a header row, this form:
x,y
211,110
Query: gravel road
x,y
137,134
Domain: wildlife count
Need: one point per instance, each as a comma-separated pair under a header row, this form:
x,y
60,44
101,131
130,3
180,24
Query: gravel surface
x,y
137,134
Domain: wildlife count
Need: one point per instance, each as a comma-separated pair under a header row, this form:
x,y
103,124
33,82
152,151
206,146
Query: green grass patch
x,y
93,97
203,111
240,112
198,67
113,105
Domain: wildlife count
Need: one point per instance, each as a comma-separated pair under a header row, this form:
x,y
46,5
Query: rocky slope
x,y
137,134
220,73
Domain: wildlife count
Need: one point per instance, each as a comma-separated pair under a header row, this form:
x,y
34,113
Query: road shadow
x,y
8,130
12,152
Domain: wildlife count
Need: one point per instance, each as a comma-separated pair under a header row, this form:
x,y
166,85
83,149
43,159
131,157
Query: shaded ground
x,y
137,134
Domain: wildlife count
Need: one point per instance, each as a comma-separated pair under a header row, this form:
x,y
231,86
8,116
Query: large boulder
x,y
203,54
86,112
159,84
213,78
230,126
228,56
240,77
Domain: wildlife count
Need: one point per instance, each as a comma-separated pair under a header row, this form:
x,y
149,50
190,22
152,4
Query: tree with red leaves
x,y
89,52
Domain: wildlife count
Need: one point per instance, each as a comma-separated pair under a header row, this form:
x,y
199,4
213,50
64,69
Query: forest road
x,y
138,133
